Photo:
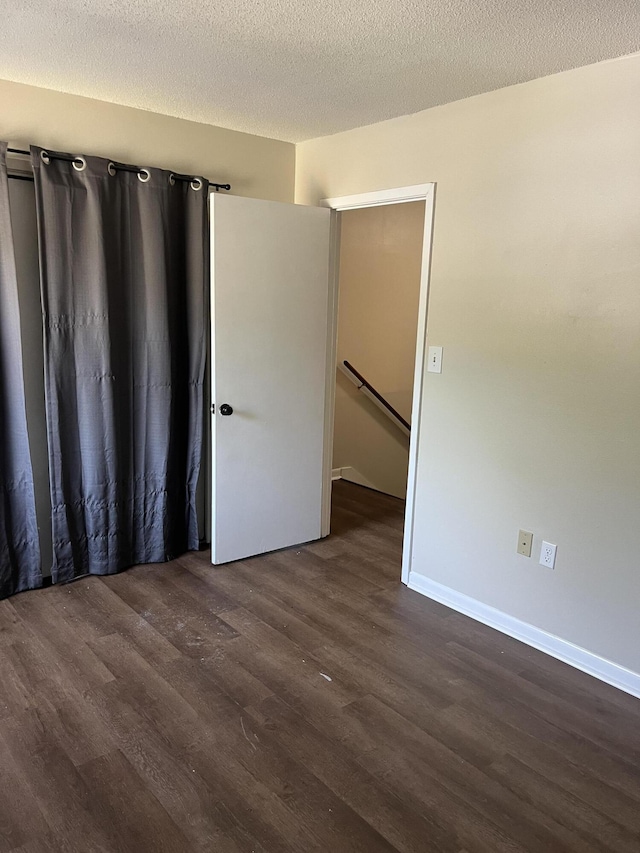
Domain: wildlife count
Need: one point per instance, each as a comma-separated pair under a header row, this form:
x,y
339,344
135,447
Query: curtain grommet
x,y
111,169
144,175
44,156
197,184
79,164
172,180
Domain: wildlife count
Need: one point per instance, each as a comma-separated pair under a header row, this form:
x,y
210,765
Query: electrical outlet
x,y
548,555
525,541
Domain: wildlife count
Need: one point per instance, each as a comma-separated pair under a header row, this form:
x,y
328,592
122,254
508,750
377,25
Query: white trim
x,y
330,387
418,192
212,376
352,476
418,384
582,659
206,443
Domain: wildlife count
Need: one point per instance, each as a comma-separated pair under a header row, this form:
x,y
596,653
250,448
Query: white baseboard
x,y
356,477
612,673
353,476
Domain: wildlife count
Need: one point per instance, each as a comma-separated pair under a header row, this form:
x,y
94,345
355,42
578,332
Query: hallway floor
x,y
300,701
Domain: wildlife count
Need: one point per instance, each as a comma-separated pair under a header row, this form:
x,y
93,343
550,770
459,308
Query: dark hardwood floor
x,y
301,701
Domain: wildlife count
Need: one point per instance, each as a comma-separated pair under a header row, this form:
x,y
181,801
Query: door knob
x,y
226,409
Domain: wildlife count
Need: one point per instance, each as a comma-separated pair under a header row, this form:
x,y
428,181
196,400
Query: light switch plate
x,y
434,360
525,541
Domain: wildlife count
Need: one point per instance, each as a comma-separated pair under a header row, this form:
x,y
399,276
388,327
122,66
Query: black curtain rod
x,y
119,167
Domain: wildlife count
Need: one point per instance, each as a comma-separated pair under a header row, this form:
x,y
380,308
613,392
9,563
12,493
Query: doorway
x,y
382,252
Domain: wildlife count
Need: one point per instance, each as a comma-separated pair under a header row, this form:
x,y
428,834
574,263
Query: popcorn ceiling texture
x,y
299,69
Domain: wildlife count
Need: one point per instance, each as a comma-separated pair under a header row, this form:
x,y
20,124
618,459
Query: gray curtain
x,y
123,267
19,547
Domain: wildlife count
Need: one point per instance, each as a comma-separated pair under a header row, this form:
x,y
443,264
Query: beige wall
x,y
253,165
535,296
380,259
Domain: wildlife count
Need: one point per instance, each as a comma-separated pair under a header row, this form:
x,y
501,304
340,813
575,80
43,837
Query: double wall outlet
x,y
548,555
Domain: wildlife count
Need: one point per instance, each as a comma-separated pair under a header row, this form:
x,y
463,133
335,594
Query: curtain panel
x,y
124,260
19,547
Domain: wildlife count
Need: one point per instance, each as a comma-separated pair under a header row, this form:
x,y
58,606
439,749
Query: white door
x,y
270,318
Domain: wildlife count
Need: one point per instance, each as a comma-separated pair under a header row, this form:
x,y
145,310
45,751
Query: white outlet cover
x,y
548,555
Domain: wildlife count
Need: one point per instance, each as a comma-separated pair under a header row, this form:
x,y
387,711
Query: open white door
x,y
270,299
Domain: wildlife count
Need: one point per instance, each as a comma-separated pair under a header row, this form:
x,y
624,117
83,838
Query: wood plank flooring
x,y
301,701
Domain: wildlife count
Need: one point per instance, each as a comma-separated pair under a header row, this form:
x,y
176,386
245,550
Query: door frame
x,y
399,195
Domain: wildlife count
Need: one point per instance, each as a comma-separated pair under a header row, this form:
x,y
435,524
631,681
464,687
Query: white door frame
x,y
419,192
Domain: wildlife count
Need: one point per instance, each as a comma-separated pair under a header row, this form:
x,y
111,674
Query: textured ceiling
x,y
297,69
